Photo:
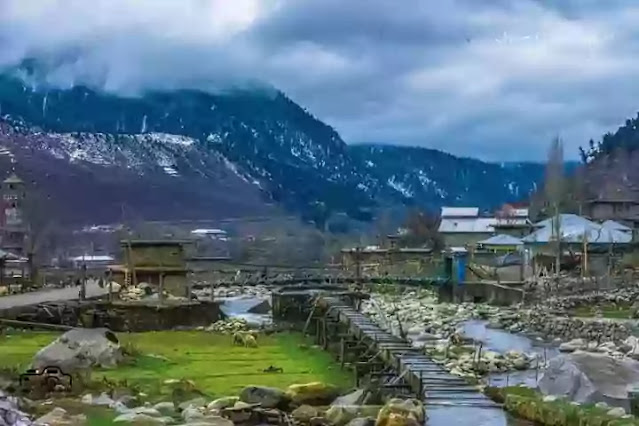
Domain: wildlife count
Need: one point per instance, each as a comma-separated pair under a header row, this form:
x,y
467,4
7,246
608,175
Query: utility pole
x,y
83,283
358,267
130,263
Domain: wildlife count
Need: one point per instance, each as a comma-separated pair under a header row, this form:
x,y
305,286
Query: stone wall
x,y
624,297
480,292
119,316
568,328
150,317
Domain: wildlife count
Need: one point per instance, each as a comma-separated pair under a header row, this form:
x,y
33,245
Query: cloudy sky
x,y
494,79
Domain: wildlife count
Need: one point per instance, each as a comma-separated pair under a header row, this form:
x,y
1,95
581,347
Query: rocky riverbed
x,y
531,336
439,330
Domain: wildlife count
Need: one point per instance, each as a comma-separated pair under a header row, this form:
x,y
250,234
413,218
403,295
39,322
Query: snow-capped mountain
x,y
434,178
220,154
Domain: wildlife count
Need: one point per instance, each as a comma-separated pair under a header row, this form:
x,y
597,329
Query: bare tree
x,y
383,225
554,189
422,230
42,233
579,189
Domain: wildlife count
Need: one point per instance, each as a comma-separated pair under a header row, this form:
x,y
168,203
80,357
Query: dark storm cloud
x,y
472,77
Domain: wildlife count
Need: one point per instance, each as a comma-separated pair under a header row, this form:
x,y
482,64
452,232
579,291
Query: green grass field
x,y
607,311
209,360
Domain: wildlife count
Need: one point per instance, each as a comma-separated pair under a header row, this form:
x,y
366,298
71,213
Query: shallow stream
x,y
239,307
502,341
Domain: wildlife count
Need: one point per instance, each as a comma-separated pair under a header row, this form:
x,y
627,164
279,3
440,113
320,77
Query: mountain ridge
x,y
278,151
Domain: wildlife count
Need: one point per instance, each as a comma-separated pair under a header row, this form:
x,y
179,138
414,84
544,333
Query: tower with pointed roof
x,y
14,228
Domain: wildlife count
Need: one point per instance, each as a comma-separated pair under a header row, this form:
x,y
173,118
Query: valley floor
x,y
210,361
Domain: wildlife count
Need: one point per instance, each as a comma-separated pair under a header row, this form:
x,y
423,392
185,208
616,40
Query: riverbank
x,y
529,404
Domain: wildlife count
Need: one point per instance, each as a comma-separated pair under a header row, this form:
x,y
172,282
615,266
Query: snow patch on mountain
x,y
400,187
427,183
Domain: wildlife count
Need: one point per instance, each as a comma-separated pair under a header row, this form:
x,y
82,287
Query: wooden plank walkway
x,y
425,377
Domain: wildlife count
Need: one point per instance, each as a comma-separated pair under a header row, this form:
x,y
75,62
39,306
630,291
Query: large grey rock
x,y
79,349
354,398
195,402
586,377
166,408
192,413
573,345
263,308
265,396
224,402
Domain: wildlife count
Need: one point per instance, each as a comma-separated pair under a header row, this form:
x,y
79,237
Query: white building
x,y
92,261
212,233
461,226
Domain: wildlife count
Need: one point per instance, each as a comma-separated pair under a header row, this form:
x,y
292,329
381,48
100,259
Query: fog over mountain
x,y
473,79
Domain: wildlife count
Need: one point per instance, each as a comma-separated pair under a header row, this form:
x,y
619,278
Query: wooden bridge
x,y
398,367
326,279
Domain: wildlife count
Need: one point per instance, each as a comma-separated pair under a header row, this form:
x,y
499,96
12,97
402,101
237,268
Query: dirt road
x,y
53,295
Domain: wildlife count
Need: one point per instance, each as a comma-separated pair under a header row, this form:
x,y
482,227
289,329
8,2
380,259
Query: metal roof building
x,y
501,240
467,212
577,229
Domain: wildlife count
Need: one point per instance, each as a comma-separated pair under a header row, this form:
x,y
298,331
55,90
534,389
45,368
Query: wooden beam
x,y
310,316
42,325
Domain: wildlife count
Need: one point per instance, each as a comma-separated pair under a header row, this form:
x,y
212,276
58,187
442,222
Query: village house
x,y
624,211
501,243
462,226
386,261
89,261
160,263
513,221
388,258
14,226
212,233
581,239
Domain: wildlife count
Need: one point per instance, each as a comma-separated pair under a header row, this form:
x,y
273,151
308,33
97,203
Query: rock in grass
x,y
166,408
192,413
221,403
616,412
195,402
266,396
354,398
79,349
315,393
304,413
398,412
340,415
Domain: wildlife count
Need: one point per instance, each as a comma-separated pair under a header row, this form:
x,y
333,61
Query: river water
x,y
502,341
239,306
471,416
